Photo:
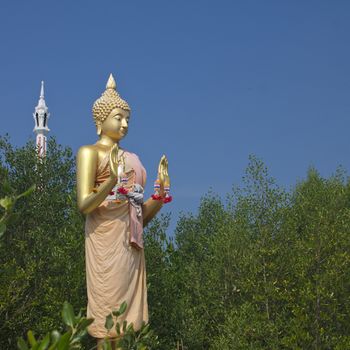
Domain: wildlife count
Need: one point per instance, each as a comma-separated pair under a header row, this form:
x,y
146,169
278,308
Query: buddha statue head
x,y
111,113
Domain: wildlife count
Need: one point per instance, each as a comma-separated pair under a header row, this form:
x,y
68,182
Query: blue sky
x,y
209,82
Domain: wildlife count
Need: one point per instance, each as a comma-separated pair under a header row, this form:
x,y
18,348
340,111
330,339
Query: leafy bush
x,y
76,330
42,252
70,340
265,269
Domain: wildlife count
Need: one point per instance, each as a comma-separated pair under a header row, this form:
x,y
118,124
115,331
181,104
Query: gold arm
x,y
150,209
88,197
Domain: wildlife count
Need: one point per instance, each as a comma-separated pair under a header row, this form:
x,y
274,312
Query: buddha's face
x,y
116,124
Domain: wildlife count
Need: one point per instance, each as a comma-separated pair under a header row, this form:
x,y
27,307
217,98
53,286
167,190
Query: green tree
x,y
267,269
161,282
42,256
319,224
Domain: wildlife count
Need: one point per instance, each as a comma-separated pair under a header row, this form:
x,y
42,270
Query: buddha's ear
x,y
98,128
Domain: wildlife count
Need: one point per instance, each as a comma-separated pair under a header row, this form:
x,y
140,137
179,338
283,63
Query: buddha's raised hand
x,y
163,174
114,161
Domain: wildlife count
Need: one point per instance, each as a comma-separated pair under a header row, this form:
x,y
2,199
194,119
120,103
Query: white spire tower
x,y
41,116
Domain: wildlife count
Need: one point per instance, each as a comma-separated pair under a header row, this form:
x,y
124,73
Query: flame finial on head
x,y
109,100
111,84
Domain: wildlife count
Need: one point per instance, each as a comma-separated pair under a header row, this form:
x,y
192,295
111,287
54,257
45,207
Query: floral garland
x,y
157,197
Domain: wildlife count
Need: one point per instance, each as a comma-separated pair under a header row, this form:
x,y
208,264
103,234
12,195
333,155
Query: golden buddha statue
x,y
110,184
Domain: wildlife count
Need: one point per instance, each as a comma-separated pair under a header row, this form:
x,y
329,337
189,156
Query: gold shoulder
x,y
87,151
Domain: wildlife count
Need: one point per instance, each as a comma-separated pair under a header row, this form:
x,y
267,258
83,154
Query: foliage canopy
x,y
265,269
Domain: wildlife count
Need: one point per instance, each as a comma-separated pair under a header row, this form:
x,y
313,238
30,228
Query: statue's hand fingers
x,y
161,178
166,167
161,165
116,151
113,160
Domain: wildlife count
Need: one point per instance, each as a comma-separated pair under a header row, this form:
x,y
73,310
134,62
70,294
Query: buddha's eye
x,y
118,117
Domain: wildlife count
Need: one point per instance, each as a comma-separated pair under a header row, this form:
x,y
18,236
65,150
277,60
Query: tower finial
x,y
42,89
111,83
41,116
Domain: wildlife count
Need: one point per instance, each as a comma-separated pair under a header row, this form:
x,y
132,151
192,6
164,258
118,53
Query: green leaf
x,y
122,307
84,323
7,203
144,329
77,338
68,314
28,192
117,328
21,344
55,336
109,322
124,326
116,313
63,344
53,346
31,338
130,328
45,342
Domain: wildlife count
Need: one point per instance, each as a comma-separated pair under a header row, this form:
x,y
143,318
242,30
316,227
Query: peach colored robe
x,y
115,270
